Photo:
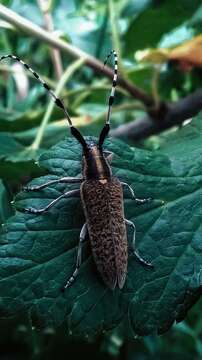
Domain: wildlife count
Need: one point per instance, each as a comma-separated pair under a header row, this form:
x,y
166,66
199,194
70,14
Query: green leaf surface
x,y
147,29
14,151
41,251
9,146
142,76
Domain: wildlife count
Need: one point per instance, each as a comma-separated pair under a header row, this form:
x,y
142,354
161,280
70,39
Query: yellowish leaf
x,y
188,54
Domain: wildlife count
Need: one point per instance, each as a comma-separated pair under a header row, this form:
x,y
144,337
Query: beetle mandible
x,y
101,197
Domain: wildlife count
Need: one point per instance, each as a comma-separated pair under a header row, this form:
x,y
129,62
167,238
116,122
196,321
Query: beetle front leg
x,y
67,180
71,193
108,155
138,201
135,252
79,258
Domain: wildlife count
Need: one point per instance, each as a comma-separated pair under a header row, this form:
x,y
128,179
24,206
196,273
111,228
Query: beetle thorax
x,y
95,165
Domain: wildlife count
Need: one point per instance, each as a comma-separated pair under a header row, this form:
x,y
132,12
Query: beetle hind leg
x,y
135,252
79,258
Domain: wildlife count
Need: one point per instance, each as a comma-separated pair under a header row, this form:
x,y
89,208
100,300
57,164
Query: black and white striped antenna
x,y
57,101
114,82
106,128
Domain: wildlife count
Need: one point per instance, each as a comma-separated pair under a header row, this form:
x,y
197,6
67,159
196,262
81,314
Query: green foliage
x,y
37,253
147,28
41,250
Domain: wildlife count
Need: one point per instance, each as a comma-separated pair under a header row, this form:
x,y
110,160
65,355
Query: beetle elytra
x,y
101,196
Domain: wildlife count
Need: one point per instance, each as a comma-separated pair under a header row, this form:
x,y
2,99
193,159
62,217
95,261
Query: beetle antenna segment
x,y
114,83
106,128
57,101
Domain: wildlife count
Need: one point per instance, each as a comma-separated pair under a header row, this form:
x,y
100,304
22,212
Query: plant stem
x,y
65,77
45,7
154,85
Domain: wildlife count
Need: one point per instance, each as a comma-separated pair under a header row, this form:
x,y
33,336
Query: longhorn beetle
x,y
101,196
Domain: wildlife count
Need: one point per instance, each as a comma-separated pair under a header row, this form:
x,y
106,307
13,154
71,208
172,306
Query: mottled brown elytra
x,y
102,199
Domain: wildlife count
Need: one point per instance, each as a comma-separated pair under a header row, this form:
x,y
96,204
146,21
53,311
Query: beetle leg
x,y
108,155
67,180
138,201
71,193
135,252
79,257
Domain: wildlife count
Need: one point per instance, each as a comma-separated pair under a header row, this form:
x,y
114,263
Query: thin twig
x,y
45,6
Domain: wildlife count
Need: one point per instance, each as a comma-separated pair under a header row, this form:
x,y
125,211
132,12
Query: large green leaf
x,y
41,250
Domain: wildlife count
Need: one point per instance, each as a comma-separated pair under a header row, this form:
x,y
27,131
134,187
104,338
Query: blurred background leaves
x,y
94,27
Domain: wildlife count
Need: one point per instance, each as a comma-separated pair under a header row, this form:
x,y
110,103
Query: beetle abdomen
x,y
103,206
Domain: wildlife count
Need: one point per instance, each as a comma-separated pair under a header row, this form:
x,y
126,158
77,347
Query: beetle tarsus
x,y
142,201
70,280
30,188
34,211
141,260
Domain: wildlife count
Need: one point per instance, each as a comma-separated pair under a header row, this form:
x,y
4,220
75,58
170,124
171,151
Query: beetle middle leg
x,y
66,180
138,201
135,252
71,193
79,257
